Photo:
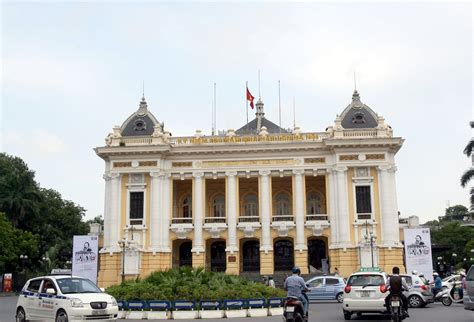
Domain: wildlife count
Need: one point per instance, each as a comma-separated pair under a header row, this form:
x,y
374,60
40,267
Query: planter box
x,y
275,311
236,313
157,315
135,315
211,314
184,315
122,314
258,312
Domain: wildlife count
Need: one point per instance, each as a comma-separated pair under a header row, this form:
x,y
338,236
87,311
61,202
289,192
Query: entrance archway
x,y
316,253
284,255
185,255
218,256
251,256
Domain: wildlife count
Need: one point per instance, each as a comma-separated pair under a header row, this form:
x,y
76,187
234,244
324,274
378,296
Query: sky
x,y
71,71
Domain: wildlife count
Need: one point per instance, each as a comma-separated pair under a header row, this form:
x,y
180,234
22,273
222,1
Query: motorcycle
x,y
293,310
396,309
449,295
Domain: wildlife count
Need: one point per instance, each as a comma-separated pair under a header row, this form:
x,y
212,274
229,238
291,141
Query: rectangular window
x,y
363,201
136,208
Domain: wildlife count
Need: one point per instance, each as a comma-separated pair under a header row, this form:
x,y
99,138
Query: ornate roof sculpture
x,y
259,122
140,123
357,115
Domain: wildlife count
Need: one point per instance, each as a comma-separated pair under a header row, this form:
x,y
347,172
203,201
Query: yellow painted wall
x,y
123,204
376,206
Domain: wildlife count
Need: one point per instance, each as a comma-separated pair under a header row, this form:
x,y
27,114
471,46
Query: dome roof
x,y
357,115
140,123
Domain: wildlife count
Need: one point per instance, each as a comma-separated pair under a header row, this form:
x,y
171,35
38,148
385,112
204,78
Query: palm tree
x,y
469,174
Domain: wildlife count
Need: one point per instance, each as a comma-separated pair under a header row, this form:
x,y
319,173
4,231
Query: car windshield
x,y
77,285
366,280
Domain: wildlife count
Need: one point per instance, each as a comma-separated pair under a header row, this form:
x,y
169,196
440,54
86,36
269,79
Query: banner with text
x,y
418,251
85,257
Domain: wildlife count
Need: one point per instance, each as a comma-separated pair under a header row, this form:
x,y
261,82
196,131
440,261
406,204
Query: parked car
x,y
468,298
364,293
326,288
64,298
420,293
449,280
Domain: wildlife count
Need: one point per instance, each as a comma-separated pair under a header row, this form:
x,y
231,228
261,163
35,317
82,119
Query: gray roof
x,y
140,123
357,115
251,127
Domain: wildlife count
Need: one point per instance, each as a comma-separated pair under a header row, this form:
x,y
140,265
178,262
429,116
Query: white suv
x,y
64,298
364,293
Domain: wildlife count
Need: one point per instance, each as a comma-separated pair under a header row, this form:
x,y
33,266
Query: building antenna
x,y
214,108
259,96
294,114
143,89
279,104
355,81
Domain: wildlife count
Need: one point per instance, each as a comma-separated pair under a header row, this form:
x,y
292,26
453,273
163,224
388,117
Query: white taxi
x,y
64,298
364,293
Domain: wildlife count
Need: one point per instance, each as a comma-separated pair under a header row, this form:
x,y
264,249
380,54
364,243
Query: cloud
x,y
40,141
47,143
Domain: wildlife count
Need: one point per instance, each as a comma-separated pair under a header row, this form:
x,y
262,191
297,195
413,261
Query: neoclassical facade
x,y
258,199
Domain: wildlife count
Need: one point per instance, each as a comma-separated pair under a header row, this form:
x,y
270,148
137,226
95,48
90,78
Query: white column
x,y
342,207
107,214
299,209
198,245
155,216
389,206
264,200
332,203
115,215
231,192
166,213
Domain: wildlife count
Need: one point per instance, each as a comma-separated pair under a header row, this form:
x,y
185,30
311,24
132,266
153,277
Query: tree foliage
x,y
37,214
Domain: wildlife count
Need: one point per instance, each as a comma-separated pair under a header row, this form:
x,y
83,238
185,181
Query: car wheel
x,y
340,297
20,315
415,301
347,315
61,316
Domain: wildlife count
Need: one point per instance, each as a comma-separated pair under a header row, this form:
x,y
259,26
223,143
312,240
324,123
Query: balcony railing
x,y
282,218
317,217
249,219
215,220
365,216
182,221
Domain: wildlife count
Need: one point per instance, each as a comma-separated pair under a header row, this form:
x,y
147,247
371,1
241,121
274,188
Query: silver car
x,y
419,294
469,291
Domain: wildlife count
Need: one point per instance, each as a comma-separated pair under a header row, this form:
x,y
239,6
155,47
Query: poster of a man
x,y
418,241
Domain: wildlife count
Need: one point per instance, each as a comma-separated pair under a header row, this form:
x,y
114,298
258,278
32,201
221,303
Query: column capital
x,y
298,172
231,173
264,173
114,175
340,169
157,174
198,175
106,176
388,168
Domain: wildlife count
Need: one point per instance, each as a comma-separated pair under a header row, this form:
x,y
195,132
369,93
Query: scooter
x,y
451,294
396,309
293,310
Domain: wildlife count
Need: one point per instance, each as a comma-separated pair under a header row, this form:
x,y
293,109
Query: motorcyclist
x,y
295,285
396,285
438,283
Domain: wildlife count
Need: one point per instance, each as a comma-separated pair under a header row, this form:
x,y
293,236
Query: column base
x,y
266,262
301,260
233,264
199,259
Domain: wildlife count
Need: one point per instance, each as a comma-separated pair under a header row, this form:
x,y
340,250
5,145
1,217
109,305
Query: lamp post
x,y
23,260
370,239
123,244
68,263
46,260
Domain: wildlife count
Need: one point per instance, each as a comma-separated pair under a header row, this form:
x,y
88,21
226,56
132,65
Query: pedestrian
x,y
271,282
336,272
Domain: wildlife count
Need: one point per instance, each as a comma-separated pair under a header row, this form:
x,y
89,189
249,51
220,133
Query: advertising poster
x,y
85,257
418,251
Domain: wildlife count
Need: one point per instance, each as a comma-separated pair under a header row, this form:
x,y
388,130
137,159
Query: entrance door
x,y
218,257
251,256
316,252
185,255
284,259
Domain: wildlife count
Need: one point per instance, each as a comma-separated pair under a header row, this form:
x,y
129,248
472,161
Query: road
x,y
319,311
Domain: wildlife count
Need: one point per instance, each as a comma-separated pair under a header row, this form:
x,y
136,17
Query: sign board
x,y
232,259
7,282
418,254
85,257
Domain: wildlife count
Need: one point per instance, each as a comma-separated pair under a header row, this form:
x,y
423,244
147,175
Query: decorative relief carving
x,y
122,164
137,178
148,163
379,156
362,172
314,160
181,164
349,157
248,162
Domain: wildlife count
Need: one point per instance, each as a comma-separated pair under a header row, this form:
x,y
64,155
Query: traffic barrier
x,y
184,310
211,310
275,306
159,310
122,313
257,307
235,308
136,310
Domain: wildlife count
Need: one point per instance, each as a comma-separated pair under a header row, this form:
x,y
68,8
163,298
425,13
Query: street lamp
x,y
23,260
123,244
370,238
68,263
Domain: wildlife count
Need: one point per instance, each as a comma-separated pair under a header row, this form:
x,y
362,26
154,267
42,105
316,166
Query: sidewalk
x,y
3,294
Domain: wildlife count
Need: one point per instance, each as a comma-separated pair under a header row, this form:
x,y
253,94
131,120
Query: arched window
x,y
251,205
187,207
219,206
313,203
282,204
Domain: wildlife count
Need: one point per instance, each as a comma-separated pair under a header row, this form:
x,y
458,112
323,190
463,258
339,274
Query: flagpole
x,y
279,104
215,109
246,100
294,115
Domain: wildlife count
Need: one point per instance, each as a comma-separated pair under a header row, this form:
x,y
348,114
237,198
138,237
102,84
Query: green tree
x,y
457,212
469,174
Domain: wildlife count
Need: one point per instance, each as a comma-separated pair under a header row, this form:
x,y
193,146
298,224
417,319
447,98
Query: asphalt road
x,y
319,311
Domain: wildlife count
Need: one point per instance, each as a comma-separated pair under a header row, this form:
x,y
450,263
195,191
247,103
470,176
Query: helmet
x,y
435,274
421,275
296,270
462,274
414,272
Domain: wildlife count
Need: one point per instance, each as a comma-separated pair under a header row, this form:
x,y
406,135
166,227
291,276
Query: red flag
x,y
250,98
